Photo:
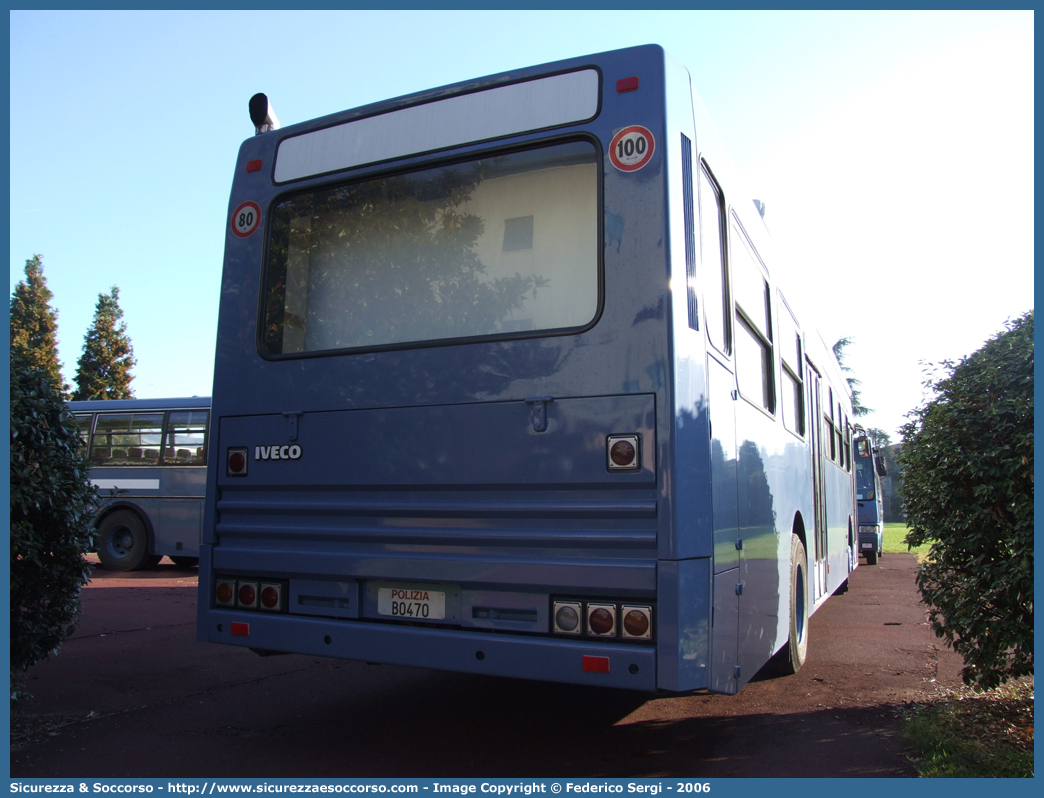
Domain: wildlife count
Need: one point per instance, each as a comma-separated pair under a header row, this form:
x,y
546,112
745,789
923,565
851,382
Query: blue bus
x,y
506,384
149,463
869,499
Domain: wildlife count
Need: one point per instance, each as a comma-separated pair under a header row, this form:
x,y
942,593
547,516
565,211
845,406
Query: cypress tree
x,y
103,371
34,325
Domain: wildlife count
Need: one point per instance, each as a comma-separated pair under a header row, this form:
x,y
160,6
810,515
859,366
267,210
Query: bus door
x,y
722,393
818,554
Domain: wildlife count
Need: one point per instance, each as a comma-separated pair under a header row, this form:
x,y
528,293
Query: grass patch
x,y
895,542
968,734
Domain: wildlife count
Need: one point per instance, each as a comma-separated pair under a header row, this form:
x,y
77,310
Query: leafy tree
x,y
34,324
839,352
967,461
103,371
52,504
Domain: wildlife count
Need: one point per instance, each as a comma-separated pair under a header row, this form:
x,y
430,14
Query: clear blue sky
x,y
894,151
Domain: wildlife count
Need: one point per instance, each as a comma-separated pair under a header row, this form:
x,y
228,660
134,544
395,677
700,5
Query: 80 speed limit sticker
x,y
246,219
631,148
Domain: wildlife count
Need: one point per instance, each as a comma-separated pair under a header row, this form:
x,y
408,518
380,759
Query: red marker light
x,y
236,462
254,166
240,629
626,84
622,453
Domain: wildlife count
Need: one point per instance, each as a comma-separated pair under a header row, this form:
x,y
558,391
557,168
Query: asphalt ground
x,y
132,694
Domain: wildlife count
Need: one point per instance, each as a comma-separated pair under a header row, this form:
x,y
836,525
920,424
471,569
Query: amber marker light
x,y
637,622
225,592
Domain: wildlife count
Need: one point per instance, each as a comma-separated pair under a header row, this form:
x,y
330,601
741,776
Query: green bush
x,y
967,460
52,504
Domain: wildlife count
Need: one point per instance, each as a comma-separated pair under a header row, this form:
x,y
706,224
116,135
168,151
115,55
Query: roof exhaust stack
x,y
262,115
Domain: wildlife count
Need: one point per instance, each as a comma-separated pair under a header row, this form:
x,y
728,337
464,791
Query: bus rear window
x,y
503,245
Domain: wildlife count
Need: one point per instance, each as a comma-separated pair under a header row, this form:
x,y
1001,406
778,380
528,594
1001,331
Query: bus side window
x,y
83,424
828,423
127,439
848,445
690,234
186,438
791,388
754,364
712,219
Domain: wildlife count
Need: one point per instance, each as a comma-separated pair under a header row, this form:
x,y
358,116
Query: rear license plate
x,y
410,603
868,545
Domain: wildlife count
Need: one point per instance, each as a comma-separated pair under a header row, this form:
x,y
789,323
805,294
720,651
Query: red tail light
x,y
247,594
271,596
601,620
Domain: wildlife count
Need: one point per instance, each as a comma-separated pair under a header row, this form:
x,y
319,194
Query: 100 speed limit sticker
x,y
246,219
632,148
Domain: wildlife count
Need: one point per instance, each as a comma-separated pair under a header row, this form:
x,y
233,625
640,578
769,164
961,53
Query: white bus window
x,y
488,247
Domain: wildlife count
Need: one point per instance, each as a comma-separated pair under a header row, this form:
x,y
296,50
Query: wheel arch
x,y
798,528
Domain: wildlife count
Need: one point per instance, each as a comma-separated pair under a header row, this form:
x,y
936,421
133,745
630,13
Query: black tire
x,y
792,655
184,562
123,542
871,558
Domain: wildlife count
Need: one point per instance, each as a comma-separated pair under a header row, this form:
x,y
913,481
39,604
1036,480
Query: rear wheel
x,y
123,542
871,557
793,654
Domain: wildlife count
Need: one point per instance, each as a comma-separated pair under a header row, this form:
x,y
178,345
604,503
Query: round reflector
x,y
636,623
601,621
622,453
566,619
247,594
269,597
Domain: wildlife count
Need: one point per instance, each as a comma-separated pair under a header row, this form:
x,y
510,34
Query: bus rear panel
x,y
464,396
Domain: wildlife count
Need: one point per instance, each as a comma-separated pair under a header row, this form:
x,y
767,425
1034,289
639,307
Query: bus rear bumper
x,y
625,666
